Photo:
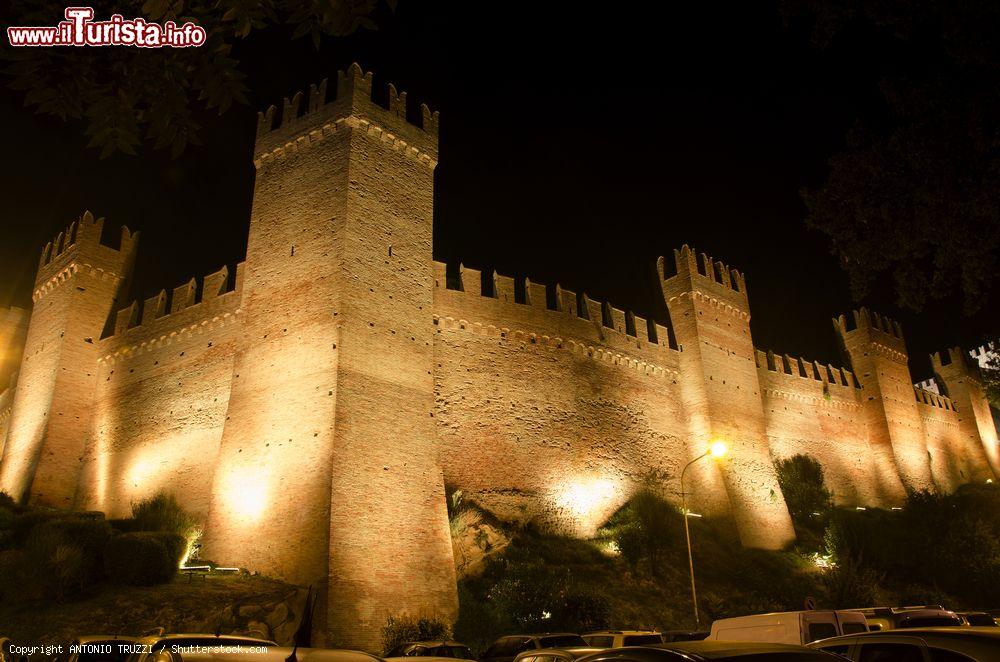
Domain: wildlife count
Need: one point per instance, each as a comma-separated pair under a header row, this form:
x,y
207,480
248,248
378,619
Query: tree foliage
x,y
127,96
914,195
804,488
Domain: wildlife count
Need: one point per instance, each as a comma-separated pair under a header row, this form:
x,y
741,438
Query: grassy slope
x,y
179,606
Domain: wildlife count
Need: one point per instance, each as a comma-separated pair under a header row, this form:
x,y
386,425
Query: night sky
x,y
577,144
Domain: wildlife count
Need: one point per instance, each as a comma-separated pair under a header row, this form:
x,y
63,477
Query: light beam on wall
x,y
245,491
589,500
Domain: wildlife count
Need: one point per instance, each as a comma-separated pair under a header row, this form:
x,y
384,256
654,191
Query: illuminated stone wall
x,y
311,406
13,329
543,415
160,401
78,284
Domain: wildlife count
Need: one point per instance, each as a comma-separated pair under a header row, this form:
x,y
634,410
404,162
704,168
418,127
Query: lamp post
x,y
716,450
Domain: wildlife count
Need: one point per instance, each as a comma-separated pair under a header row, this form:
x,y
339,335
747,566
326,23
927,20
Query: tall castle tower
x,y
79,280
710,314
877,353
962,383
328,471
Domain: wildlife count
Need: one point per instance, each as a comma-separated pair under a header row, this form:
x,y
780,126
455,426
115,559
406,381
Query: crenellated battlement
x,y
883,334
957,360
82,238
195,299
353,105
557,313
933,399
701,268
786,364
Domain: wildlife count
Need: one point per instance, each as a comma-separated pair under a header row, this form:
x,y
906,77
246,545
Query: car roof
x,y
574,651
433,642
281,653
152,639
715,649
939,633
622,632
87,638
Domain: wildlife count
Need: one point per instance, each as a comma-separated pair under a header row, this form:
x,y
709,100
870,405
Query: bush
x,y
646,528
802,484
162,513
850,584
24,523
64,556
144,558
401,629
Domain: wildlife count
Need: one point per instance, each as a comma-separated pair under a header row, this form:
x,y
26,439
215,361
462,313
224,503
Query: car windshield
x,y
641,639
460,652
561,641
930,622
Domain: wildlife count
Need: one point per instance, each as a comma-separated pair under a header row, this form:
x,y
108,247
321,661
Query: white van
x,y
788,627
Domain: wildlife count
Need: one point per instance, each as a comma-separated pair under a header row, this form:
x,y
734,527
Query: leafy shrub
x,y
850,584
144,558
646,528
802,484
128,525
24,523
64,556
162,513
401,629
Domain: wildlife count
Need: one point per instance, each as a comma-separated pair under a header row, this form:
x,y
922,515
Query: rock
x,y
284,633
258,629
278,615
251,612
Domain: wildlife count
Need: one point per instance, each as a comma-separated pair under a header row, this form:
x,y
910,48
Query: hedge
x,y
144,558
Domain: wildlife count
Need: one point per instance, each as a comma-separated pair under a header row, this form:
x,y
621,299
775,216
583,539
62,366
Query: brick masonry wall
x,y
159,407
539,419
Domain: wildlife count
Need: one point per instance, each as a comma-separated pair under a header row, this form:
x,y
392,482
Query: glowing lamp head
x,y
718,449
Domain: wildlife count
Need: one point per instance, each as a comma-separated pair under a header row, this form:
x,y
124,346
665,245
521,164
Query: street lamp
x,y
716,450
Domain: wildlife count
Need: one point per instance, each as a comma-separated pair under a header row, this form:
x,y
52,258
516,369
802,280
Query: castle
x,y
311,405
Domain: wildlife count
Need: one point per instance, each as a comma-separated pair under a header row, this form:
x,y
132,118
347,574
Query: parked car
x,y
555,654
447,649
505,649
97,648
278,654
719,651
947,644
891,618
788,627
619,638
977,618
174,647
670,636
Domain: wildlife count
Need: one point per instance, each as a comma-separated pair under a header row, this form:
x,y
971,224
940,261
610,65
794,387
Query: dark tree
x,y
914,196
127,96
802,483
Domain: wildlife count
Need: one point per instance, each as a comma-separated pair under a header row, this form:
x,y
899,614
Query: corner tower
x,y
328,472
963,384
79,280
876,350
710,314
